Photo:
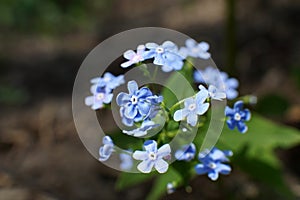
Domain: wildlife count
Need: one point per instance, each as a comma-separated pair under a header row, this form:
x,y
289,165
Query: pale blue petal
x,y
166,68
107,140
204,46
126,64
190,43
201,109
168,45
158,60
201,96
89,100
151,45
144,108
161,166
108,97
140,155
223,169
145,166
213,175
130,111
192,119
204,55
122,99
129,54
132,87
180,115
163,151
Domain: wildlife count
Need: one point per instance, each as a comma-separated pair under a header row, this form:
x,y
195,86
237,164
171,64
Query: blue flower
x,y
170,188
106,149
126,161
137,105
237,116
195,50
101,96
192,108
133,57
230,86
186,153
166,55
153,157
213,92
108,80
211,76
212,163
142,131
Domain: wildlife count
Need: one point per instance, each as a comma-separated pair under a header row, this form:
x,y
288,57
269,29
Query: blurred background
x,y
42,45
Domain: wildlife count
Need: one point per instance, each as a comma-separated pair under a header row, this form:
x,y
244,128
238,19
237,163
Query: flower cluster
x,y
142,109
102,90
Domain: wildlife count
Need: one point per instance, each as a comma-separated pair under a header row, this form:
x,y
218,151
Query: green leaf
x,y
127,180
178,87
262,138
160,185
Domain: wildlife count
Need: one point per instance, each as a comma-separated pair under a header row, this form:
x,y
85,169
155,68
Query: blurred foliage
x,y
272,105
51,16
296,75
12,96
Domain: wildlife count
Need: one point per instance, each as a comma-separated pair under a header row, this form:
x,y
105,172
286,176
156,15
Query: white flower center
x,y
212,165
237,117
107,79
134,99
100,96
159,50
192,107
152,156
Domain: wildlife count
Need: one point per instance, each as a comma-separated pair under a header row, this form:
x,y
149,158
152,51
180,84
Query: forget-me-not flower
x,y
230,86
211,76
213,92
186,152
195,50
134,57
212,163
106,149
153,157
143,129
101,96
137,104
108,80
237,116
192,108
166,55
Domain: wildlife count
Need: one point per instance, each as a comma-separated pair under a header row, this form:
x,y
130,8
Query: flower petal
x,y
242,127
201,96
202,108
129,54
132,87
143,107
161,166
146,166
140,155
192,119
122,98
163,151
130,111
200,169
213,175
180,115
150,146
